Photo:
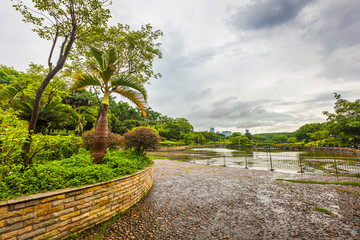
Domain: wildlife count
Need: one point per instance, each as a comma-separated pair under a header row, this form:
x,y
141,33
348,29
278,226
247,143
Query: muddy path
x,y
195,201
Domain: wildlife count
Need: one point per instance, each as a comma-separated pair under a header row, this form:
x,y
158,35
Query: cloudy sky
x,y
264,65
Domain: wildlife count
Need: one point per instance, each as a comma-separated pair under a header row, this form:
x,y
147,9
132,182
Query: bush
x,y
76,171
13,134
47,147
115,141
142,139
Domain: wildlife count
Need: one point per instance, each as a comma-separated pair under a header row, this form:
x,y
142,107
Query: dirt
x,y
195,201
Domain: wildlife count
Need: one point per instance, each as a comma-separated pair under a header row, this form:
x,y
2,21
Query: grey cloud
x,y
341,24
233,110
267,14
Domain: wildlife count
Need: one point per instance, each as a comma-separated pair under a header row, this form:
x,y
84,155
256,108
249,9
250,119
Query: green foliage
x,y
75,171
344,123
324,210
13,133
239,140
136,48
48,147
292,140
141,140
302,134
279,138
355,184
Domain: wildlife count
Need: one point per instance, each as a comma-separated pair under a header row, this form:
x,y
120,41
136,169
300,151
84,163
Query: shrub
x,y
13,134
115,141
47,147
76,171
142,139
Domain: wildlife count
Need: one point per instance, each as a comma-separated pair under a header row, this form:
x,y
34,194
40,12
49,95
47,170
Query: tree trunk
x,y
99,145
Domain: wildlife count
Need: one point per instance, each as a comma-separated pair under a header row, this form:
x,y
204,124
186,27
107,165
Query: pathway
x,y
193,201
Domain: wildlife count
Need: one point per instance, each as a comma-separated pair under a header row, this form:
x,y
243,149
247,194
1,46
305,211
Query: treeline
x,y
62,112
341,129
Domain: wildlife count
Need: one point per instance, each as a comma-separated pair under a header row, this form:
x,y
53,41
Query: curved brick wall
x,y
57,214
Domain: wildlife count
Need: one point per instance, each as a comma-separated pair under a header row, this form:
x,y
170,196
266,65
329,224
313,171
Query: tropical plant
x,y
63,22
142,139
104,75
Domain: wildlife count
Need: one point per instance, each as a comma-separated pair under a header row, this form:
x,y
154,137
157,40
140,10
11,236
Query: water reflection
x,y
282,161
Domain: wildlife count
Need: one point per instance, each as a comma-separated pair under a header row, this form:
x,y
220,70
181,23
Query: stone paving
x,y
194,201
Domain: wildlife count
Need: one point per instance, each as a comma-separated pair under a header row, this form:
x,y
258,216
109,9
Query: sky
x,y
264,65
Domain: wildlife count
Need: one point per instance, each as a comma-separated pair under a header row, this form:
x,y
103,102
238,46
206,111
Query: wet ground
x,y
195,201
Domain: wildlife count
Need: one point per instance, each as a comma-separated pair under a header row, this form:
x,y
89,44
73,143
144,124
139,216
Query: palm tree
x,y
104,74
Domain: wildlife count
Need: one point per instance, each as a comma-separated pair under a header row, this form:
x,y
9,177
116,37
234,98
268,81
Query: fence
x,y
337,166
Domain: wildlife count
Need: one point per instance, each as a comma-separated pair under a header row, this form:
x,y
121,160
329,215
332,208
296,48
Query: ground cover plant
x,y
75,171
355,184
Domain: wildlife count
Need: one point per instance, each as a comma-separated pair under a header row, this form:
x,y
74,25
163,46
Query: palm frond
x,y
10,93
129,82
134,97
108,73
98,55
3,81
83,81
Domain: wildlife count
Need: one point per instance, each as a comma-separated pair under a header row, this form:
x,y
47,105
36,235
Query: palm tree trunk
x,y
99,144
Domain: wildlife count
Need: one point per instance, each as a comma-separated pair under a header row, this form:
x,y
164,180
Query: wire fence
x,y
335,166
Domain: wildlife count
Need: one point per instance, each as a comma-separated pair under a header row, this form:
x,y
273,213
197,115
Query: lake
x,y
297,162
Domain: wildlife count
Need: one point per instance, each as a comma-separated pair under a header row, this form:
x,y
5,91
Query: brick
x,y
70,215
26,204
45,224
47,235
22,218
9,228
102,190
37,220
61,235
63,212
89,199
3,209
10,214
81,196
57,225
95,211
92,189
74,204
2,223
50,210
16,232
104,203
62,201
42,206
85,205
81,216
72,194
53,198
101,200
31,234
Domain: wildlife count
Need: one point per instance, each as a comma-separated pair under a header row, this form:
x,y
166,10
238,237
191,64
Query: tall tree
x,y
63,22
103,74
344,123
137,49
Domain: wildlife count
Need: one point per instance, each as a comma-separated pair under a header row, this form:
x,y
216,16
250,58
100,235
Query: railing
x,y
336,166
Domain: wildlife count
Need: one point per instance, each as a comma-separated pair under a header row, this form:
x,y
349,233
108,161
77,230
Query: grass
x,y
355,184
343,190
324,210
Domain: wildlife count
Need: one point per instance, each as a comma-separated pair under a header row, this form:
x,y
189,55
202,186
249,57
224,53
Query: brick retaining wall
x,y
57,214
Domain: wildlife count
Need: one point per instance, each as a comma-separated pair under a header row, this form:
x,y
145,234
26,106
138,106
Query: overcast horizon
x,y
266,66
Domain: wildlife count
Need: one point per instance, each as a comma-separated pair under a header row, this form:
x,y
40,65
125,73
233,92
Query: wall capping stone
x,y
58,214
